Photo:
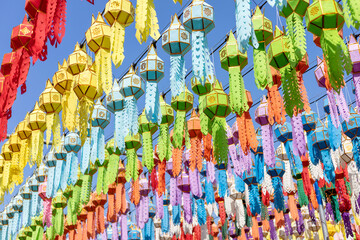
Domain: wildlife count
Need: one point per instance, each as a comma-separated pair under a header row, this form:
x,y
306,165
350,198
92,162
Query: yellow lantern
x,y
6,154
119,14
86,89
146,21
63,83
17,164
78,61
37,124
24,132
50,103
98,40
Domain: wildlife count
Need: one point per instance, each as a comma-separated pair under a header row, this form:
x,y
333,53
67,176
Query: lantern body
x,y
199,88
100,116
145,125
132,141
194,127
261,113
250,177
183,102
63,79
320,138
8,60
18,203
309,121
262,27
134,235
216,103
50,99
354,50
152,67
86,84
72,142
59,200
121,11
115,100
25,192
351,128
167,112
14,143
144,186
23,130
58,155
37,119
132,85
281,152
6,153
283,132
295,6
324,14
98,35
199,16
278,170
175,39
230,56
40,173
78,60
33,184
183,182
279,50
33,6
320,73
21,35
346,153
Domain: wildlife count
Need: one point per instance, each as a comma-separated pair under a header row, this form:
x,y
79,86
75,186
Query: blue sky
x,y
78,21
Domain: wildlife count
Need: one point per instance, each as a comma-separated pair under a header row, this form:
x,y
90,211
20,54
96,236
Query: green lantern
x,y
113,165
233,61
86,184
264,34
182,104
324,18
164,144
59,203
147,129
281,57
294,13
132,144
216,107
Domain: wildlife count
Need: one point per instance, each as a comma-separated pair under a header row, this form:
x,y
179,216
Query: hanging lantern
x,y
87,90
325,18
46,204
78,61
132,144
87,178
195,134
264,35
100,119
17,206
63,83
115,104
147,129
346,153
25,193
280,56
354,51
199,20
251,180
59,203
98,38
134,235
259,158
350,129
183,182
72,145
262,118
309,121
50,103
216,107
152,71
17,164
7,156
182,104
321,151
233,61
132,88
37,124
146,21
164,144
119,14
35,199
276,174
176,42
301,68
276,107
57,159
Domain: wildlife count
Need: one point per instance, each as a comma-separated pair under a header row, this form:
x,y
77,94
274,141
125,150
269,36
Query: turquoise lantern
x,y
50,161
152,71
352,130
132,88
17,206
284,134
250,179
176,42
165,221
321,150
5,225
334,132
259,158
115,104
72,145
149,229
134,235
100,119
60,157
276,173
35,198
198,18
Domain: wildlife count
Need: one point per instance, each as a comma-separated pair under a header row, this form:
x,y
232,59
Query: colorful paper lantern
x,y
164,144
132,144
72,145
146,21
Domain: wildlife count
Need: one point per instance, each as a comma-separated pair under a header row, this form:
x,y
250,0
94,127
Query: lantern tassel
x,y
37,142
152,103
148,154
268,145
356,151
120,130
222,182
334,134
198,55
177,83
131,115
85,156
59,174
164,145
238,99
165,226
343,106
220,140
85,111
34,204
86,188
261,69
50,182
131,166
278,194
117,43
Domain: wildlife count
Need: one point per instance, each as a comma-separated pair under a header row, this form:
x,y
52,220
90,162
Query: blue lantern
x,y
284,134
60,157
51,162
259,158
72,145
321,151
100,119
222,179
86,152
115,104
134,235
198,19
165,221
309,124
334,132
149,230
35,198
132,88
176,42
352,130
152,70
26,193
276,174
10,212
5,226
17,205
250,179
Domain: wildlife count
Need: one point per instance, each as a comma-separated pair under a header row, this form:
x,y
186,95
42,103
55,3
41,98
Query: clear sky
x,y
78,21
